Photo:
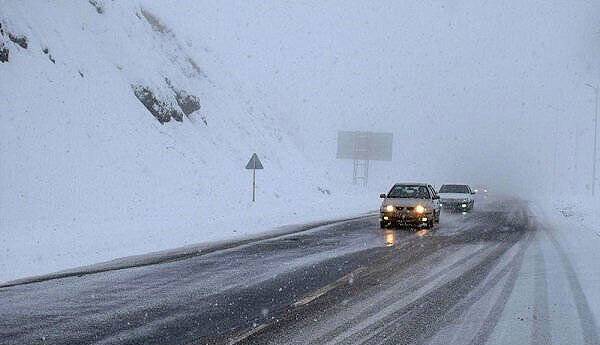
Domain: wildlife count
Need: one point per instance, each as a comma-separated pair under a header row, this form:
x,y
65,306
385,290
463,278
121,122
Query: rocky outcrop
x,y
97,5
161,110
47,52
188,103
20,40
3,50
3,53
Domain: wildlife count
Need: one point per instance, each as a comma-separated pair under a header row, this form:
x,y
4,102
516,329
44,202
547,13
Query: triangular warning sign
x,y
254,162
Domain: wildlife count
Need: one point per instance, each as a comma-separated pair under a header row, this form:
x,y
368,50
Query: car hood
x,y
454,196
405,202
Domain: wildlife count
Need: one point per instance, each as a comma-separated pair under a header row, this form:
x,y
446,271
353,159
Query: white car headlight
x,y
389,208
420,209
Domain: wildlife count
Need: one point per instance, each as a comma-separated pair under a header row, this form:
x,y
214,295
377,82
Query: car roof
x,y
412,184
455,184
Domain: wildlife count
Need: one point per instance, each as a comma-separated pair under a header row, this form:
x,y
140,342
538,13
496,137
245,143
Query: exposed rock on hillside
x,y
97,5
47,52
3,50
3,53
188,103
161,110
21,40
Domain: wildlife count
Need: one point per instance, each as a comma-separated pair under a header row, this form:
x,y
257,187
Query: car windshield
x,y
454,188
409,191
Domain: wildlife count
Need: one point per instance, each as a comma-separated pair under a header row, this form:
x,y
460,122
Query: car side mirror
x,y
436,197
473,192
382,196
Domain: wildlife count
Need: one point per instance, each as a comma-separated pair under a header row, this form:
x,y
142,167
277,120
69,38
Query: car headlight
x,y
420,209
389,208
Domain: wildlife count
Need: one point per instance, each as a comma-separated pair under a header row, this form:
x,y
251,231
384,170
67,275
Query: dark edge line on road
x,y
176,257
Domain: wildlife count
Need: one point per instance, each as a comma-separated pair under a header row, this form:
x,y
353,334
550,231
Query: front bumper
x,y
455,205
405,218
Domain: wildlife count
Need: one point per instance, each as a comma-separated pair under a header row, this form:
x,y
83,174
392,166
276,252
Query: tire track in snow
x,y
391,301
422,318
512,269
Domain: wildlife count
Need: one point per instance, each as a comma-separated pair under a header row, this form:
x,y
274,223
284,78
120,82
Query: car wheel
x,y
437,218
382,225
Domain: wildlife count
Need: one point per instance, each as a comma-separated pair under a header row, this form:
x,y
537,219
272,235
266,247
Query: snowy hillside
x,y
120,137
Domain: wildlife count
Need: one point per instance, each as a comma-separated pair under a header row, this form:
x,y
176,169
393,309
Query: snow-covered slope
x,y
119,137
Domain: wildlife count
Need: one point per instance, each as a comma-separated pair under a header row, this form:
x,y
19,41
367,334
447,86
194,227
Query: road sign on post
x,y
254,163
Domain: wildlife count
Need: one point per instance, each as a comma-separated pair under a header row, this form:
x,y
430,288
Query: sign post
x,y
363,147
254,163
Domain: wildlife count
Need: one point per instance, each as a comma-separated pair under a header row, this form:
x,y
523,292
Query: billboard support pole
x,y
362,148
361,171
366,173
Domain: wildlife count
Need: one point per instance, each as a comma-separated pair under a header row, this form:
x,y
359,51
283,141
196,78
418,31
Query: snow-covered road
x,y
506,273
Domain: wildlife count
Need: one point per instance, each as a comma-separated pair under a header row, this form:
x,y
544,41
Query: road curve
x,y
344,283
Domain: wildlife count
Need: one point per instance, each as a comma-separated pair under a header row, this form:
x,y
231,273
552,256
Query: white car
x,y
457,197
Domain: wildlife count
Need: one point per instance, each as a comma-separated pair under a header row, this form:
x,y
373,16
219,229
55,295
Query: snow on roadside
x,y
583,211
576,225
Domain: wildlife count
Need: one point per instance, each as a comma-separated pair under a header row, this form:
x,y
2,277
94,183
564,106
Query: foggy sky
x,y
482,92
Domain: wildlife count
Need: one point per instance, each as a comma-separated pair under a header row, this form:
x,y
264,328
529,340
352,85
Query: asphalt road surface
x,y
493,276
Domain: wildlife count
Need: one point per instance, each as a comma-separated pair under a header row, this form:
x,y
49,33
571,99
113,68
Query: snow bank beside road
x,y
576,227
180,253
585,212
39,251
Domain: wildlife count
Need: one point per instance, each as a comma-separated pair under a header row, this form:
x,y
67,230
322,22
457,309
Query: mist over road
x,y
474,279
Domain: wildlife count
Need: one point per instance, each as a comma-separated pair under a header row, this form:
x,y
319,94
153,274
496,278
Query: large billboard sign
x,y
368,146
